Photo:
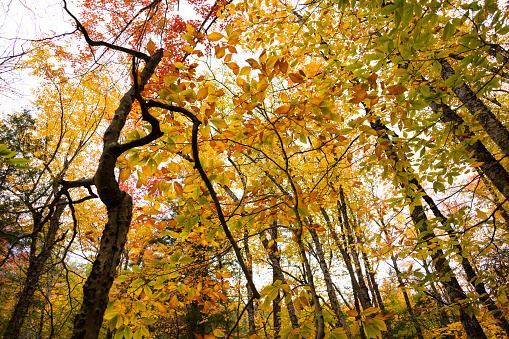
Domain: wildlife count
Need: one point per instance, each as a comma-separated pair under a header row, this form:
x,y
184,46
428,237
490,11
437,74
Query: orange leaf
x,y
297,78
234,67
220,51
174,302
352,313
282,110
178,188
202,93
283,66
253,63
151,47
372,78
396,89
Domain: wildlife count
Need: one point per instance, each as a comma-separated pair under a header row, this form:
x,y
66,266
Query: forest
x,y
274,169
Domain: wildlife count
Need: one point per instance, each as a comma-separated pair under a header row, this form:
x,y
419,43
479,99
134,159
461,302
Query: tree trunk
x,y
495,129
472,276
443,317
250,306
489,165
89,320
328,283
377,295
276,303
119,206
320,325
363,289
453,288
35,269
277,270
345,255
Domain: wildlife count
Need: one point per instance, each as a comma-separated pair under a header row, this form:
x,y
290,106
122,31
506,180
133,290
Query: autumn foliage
x,y
326,169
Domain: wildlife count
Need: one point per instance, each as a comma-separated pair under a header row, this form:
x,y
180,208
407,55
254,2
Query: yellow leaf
x,y
481,215
234,35
180,65
218,333
219,123
215,36
316,101
124,174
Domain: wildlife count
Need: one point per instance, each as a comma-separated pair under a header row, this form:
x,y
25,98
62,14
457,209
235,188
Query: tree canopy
x,y
265,169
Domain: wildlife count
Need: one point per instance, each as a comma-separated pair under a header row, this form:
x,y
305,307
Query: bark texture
x,y
454,290
486,117
36,267
345,255
333,299
119,207
447,278
363,289
493,170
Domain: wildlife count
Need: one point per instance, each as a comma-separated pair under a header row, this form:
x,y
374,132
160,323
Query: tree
x,y
293,158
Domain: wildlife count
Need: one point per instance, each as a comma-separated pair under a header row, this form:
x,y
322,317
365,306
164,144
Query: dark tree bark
x,y
346,257
363,289
36,267
495,172
250,306
119,208
333,299
472,276
437,296
276,303
453,289
495,129
376,292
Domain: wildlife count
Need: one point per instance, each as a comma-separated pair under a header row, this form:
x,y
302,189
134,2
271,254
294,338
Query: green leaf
x,y
185,260
119,334
504,30
449,29
17,161
151,167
